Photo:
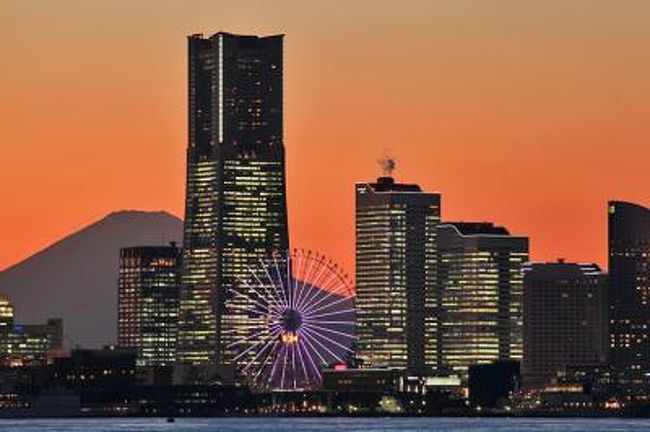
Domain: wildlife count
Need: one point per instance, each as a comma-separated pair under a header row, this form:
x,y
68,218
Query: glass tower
x,y
235,207
629,292
396,275
148,297
481,283
565,325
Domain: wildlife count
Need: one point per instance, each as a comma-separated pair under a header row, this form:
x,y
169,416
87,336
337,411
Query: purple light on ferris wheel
x,y
297,317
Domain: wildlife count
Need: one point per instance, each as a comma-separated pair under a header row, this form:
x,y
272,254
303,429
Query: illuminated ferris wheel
x,y
296,316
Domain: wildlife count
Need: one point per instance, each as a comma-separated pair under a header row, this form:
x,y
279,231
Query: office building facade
x,y
235,207
481,298
396,275
148,303
565,321
629,291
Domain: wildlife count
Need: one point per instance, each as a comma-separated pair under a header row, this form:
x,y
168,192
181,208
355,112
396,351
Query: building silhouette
x,y
396,274
235,206
565,321
629,293
148,303
481,299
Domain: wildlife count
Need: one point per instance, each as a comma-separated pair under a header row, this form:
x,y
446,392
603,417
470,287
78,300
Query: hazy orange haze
x,y
528,114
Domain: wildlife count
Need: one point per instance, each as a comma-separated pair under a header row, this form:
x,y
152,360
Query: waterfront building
x,y
565,321
481,298
396,275
235,205
629,292
148,303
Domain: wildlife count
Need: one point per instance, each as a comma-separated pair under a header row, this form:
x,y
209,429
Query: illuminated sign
x,y
289,338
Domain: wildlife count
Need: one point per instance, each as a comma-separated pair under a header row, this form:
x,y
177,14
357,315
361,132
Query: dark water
x,y
327,424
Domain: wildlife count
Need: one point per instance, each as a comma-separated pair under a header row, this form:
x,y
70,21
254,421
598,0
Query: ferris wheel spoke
x,y
282,287
304,279
316,291
302,361
315,338
329,314
250,287
275,293
326,295
314,282
311,361
284,367
309,344
328,305
241,354
328,339
232,306
252,300
295,273
325,291
329,322
247,338
270,342
332,331
269,294
293,365
289,279
275,364
264,363
296,262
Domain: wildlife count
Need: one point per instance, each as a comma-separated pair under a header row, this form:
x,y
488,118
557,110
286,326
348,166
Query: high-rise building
x,y
396,274
629,292
565,321
148,303
481,298
235,205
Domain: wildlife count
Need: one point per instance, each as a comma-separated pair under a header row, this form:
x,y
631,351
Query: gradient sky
x,y
528,114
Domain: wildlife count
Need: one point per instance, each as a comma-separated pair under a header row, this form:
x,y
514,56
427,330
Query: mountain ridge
x,y
75,277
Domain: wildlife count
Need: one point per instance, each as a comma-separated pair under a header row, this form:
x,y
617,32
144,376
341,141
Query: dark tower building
x,y
629,293
481,300
148,303
565,321
235,206
396,274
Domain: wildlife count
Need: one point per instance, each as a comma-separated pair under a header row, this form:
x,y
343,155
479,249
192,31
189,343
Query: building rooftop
x,y
387,184
478,228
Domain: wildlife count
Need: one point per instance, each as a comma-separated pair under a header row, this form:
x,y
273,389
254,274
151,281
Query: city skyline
x,y
561,111
519,120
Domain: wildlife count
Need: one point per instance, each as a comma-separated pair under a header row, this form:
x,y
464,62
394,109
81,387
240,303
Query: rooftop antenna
x,y
388,165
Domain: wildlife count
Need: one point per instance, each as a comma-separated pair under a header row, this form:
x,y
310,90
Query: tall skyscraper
x,y
481,299
396,274
565,321
629,293
148,303
235,205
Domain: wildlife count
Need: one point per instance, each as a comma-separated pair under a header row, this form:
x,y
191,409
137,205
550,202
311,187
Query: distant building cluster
x,y
448,316
27,344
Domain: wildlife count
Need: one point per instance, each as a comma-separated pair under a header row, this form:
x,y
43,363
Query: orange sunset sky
x,y
531,114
